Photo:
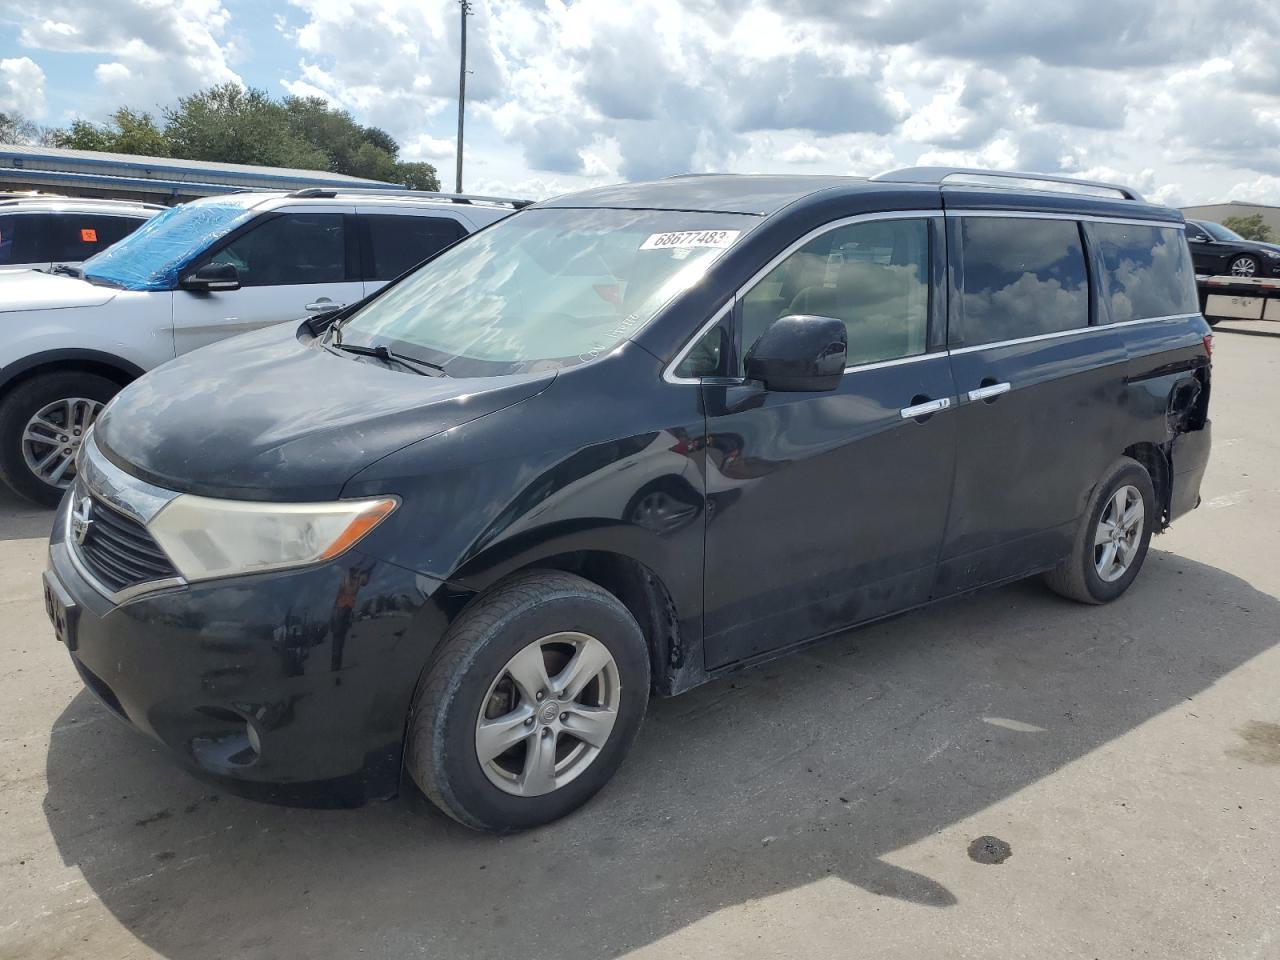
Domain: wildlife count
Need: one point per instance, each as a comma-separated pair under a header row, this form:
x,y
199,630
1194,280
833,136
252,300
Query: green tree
x,y
128,131
228,124
17,129
417,176
1251,228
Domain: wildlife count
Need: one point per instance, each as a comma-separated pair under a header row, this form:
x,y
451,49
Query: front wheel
x,y
1111,542
43,421
530,704
1245,266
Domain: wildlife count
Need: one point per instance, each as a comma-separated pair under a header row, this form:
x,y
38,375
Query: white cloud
x,y
802,153
564,94
178,46
1264,189
22,87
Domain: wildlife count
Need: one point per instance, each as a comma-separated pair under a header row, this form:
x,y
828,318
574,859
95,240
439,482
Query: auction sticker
x,y
690,238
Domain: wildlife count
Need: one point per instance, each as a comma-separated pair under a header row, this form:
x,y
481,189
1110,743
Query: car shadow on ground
x,y
22,519
820,765
1249,331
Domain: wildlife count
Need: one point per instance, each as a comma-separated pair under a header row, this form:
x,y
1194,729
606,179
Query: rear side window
x,y
77,237
1022,277
19,240
289,249
1147,271
399,242
873,276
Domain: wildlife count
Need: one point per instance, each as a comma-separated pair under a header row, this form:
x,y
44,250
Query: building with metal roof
x,y
120,176
1217,212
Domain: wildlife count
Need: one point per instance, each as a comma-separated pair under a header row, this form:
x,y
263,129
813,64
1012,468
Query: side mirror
x,y
212,278
799,353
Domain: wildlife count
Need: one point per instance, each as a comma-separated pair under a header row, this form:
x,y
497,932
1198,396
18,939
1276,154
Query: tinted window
x,y
873,276
706,356
76,236
398,243
1148,271
1219,232
1196,231
289,249
1022,277
19,240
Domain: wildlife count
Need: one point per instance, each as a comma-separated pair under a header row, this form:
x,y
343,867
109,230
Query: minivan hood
x,y
271,415
33,290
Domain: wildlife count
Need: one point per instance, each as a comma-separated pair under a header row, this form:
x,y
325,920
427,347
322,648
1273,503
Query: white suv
x,y
195,274
44,232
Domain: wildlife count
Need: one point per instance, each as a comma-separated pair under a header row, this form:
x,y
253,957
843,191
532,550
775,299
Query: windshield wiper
x,y
389,356
64,270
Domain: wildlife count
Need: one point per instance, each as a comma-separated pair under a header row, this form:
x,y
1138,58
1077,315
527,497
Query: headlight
x,y
208,538
1273,254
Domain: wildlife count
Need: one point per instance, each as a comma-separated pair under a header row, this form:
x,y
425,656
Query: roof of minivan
x,y
714,193
763,195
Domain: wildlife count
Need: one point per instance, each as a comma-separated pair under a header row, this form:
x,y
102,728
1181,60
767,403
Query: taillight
x,y
1208,344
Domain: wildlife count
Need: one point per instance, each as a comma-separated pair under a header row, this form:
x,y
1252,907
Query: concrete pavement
x,y
822,806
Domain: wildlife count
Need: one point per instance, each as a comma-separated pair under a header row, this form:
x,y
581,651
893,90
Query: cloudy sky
x,y
1178,97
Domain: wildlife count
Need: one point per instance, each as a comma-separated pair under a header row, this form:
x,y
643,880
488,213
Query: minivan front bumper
x,y
292,686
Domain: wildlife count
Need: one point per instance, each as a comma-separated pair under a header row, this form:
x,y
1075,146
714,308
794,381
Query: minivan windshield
x,y
544,289
152,256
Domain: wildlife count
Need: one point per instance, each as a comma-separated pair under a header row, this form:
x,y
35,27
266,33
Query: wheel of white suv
x,y
530,704
42,424
1112,539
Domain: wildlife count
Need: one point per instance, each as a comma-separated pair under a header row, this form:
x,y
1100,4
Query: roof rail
x,y
62,198
940,175
406,194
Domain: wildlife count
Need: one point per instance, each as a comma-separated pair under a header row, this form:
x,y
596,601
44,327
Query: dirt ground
x,y
1007,775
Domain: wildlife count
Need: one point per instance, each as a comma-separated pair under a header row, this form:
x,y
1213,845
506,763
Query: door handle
x,y
989,392
926,408
324,305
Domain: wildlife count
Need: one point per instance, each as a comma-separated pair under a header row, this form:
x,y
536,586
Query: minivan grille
x,y
119,552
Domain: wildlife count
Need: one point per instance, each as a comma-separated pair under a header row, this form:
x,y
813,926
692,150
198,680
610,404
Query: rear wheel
x,y
1112,539
531,703
42,424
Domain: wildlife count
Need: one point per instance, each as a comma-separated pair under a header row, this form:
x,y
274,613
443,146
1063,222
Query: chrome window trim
x,y
827,228
1078,217
669,373
1075,331
896,362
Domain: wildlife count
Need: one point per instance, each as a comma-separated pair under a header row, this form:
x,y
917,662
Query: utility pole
x,y
465,7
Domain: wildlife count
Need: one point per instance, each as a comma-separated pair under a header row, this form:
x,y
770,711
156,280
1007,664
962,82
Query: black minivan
x,y
622,442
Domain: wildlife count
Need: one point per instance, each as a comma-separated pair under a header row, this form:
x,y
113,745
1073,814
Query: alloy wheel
x,y
1244,267
1119,533
548,714
52,438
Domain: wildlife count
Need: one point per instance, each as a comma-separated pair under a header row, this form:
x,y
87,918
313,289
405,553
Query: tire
x,y
1079,576
472,672
1242,264
85,393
